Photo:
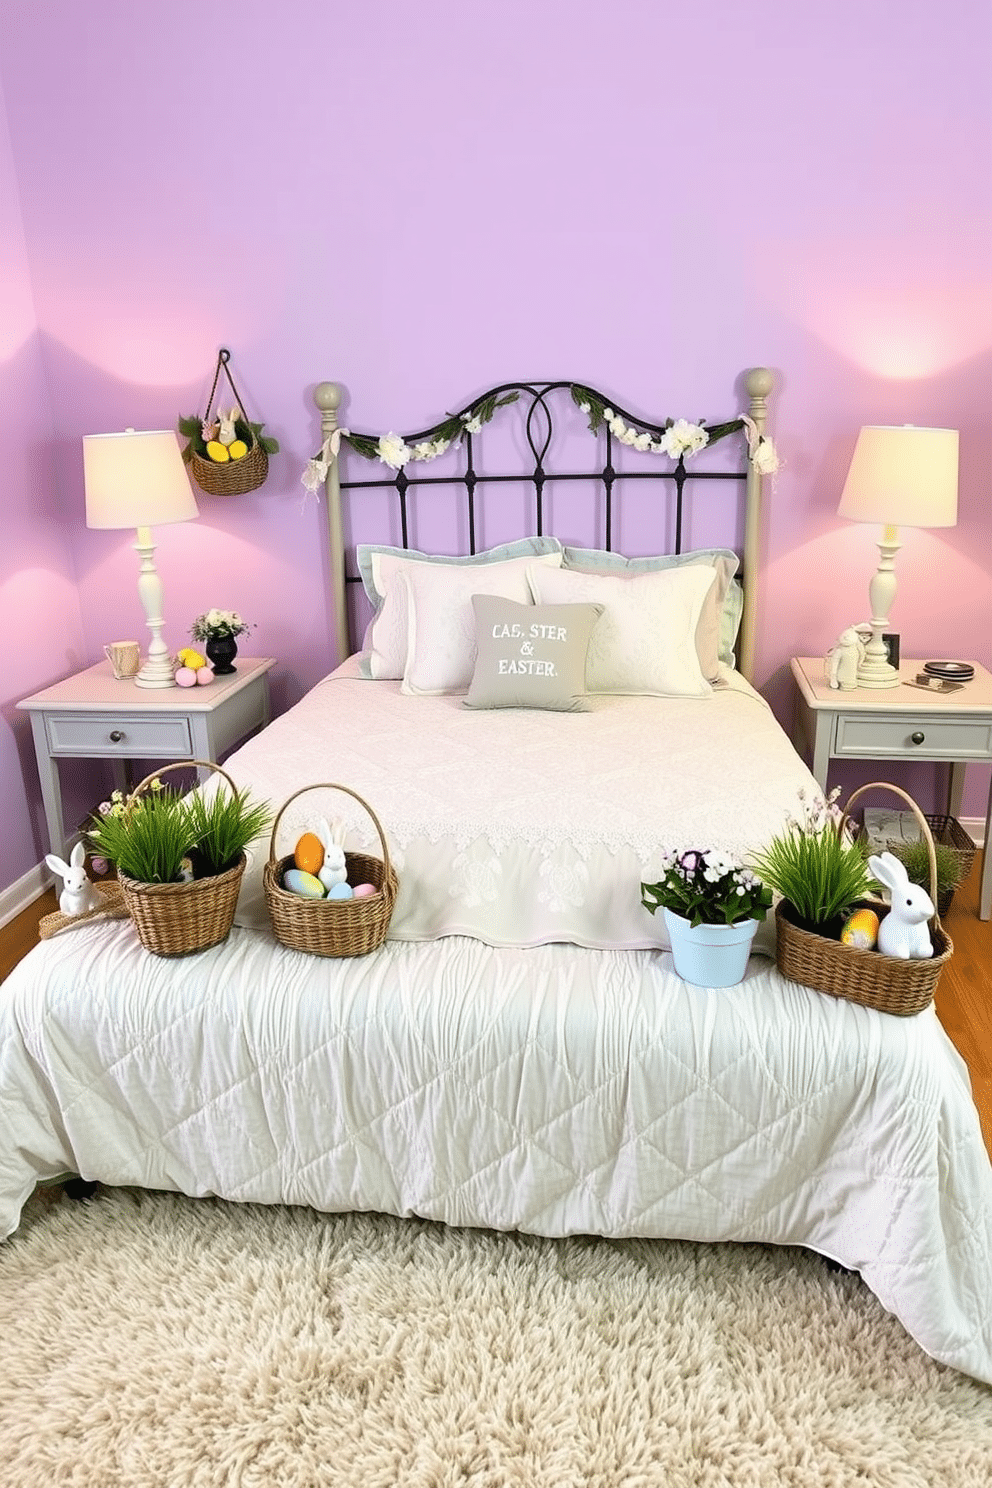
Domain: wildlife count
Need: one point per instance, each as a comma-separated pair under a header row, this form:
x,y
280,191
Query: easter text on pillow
x,y
510,666
536,632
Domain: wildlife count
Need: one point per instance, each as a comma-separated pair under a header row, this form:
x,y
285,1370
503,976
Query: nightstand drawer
x,y
867,736
162,737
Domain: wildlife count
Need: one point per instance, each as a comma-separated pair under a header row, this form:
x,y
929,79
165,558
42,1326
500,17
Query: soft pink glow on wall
x,y
422,202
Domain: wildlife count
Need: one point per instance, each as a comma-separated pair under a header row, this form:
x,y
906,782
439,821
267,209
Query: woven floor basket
x,y
332,927
234,477
867,977
948,832
178,919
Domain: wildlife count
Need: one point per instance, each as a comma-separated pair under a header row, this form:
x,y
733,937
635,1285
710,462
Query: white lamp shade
x,y
903,476
136,479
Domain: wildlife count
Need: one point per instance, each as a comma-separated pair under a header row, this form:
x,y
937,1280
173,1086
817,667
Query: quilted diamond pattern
x,y
552,1090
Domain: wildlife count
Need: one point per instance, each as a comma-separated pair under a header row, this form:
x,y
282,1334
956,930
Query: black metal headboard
x,y
396,456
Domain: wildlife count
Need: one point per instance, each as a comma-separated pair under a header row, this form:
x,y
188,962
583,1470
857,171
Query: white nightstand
x,y
899,723
93,716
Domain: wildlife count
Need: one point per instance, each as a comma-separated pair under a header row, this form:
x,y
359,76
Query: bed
x,y
519,1053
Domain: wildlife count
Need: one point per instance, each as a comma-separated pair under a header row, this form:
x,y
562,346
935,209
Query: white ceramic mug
x,y
124,657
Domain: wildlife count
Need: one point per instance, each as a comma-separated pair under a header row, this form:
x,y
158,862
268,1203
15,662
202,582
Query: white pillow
x,y
720,618
645,641
384,652
441,648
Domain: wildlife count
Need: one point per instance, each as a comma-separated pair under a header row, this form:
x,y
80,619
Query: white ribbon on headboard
x,y
760,449
316,470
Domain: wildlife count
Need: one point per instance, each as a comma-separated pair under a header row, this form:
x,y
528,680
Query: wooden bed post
x,y
327,396
758,383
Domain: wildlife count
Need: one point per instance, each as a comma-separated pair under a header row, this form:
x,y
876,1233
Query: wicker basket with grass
x,y
332,927
885,983
179,919
951,841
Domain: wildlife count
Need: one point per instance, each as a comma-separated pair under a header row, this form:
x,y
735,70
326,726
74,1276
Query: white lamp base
x,y
880,674
875,669
157,670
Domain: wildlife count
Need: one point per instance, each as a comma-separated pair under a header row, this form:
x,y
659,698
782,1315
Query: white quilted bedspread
x,y
552,1090
523,827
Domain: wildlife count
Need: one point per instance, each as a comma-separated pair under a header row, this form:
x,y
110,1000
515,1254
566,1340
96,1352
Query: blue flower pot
x,y
710,955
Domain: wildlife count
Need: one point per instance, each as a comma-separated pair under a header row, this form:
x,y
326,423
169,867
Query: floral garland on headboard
x,y
679,439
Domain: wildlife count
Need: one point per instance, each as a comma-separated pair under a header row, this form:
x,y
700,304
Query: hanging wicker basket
x,y
886,983
233,477
179,919
332,927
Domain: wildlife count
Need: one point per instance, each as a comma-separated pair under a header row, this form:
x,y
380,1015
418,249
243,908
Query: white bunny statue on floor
x,y
904,931
78,894
335,869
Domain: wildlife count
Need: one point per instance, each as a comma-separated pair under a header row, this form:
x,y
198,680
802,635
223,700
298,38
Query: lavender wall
x,y
40,623
422,201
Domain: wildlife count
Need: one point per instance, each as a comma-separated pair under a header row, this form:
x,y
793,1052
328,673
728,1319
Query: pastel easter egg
x,y
304,884
340,891
204,676
309,853
185,677
861,930
365,890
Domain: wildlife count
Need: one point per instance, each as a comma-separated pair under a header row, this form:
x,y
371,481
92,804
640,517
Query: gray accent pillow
x,y
531,656
716,633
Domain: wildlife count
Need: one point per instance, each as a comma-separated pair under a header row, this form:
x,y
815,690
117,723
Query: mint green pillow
x,y
384,647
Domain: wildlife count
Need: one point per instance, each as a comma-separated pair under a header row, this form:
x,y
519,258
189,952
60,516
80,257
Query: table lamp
x,y
900,476
139,480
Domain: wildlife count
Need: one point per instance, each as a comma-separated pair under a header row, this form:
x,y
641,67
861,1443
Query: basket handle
x,y
181,765
223,360
924,824
330,785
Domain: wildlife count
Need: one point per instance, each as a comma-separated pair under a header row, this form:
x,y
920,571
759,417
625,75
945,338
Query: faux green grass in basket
x,y
332,927
153,834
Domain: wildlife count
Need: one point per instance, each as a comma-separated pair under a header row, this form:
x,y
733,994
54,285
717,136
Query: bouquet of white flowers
x,y
217,625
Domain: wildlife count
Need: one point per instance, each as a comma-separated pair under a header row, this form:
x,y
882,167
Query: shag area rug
x,y
154,1340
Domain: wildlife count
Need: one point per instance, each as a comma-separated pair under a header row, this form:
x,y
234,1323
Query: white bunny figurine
x,y
78,894
844,658
904,931
335,869
227,433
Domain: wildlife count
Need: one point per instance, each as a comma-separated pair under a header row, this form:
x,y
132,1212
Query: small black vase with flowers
x,y
219,631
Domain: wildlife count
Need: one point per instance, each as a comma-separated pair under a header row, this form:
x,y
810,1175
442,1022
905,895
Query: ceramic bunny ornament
x,y
335,869
78,895
904,931
227,433
843,659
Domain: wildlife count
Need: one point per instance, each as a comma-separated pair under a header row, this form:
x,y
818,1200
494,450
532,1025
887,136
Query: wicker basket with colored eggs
x,y
348,919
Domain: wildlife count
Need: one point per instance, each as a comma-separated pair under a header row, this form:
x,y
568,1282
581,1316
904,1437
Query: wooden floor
x,y
964,992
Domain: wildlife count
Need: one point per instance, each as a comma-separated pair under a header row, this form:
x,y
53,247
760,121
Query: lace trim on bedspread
x,y
499,837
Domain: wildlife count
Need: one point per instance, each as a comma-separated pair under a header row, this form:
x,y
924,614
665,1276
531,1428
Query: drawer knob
x,y
918,737
116,735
